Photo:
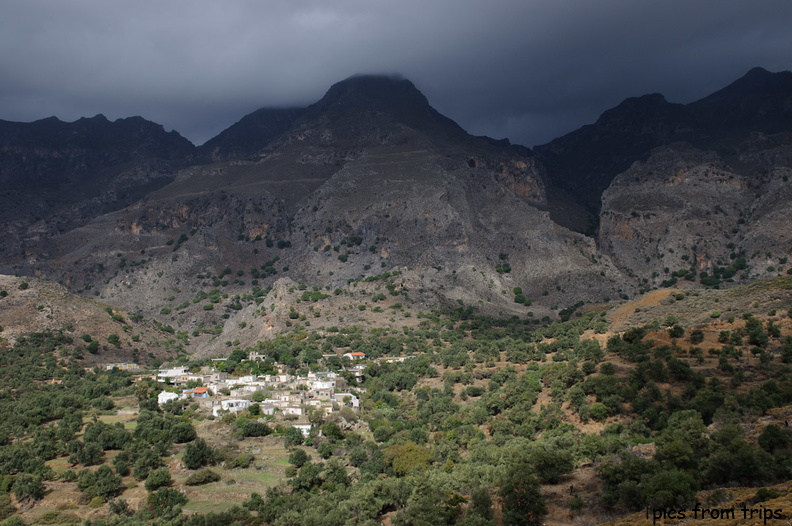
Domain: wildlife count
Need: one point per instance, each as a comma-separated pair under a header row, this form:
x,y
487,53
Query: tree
x,y
183,432
28,487
251,428
429,506
292,437
298,458
523,504
198,453
408,457
676,331
6,508
480,503
166,503
549,464
332,431
696,336
157,479
669,489
102,483
773,437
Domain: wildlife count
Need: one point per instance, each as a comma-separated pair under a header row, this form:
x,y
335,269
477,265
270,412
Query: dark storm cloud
x,y
527,70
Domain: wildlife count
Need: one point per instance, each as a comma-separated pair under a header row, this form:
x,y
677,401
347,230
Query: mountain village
x,y
288,397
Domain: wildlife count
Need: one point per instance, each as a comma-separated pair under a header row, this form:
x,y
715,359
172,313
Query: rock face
x,y
687,211
584,162
371,179
56,176
368,179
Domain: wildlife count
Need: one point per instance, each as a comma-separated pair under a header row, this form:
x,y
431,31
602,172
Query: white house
x,y
323,384
296,410
354,355
165,397
267,409
304,428
347,399
231,405
166,375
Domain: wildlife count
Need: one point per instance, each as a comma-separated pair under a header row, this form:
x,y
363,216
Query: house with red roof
x,y
355,355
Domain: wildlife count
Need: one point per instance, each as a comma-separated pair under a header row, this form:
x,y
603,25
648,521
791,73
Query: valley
x,y
586,332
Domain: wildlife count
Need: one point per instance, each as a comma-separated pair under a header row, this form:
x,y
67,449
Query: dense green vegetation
x,y
481,411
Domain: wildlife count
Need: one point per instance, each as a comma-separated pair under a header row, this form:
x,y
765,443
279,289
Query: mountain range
x,y
371,179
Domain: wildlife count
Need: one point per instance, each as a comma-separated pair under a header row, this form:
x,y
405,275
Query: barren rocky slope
x,y
372,179
688,211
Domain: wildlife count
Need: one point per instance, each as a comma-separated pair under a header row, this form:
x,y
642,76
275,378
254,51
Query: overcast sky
x,y
528,70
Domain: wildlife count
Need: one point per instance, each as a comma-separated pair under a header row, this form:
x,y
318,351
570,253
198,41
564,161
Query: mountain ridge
x,y
585,161
371,178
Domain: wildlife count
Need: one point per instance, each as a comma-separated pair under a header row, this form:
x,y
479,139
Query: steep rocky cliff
x,y
55,176
689,213
583,163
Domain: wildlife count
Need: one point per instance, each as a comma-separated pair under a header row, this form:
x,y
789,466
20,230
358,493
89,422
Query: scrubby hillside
x,y
671,399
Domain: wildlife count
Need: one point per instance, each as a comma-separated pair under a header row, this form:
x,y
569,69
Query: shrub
x,y
474,391
204,476
242,461
598,411
325,450
252,428
696,336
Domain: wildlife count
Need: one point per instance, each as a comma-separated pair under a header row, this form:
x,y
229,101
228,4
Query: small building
x,y
197,392
122,366
233,405
305,429
318,385
354,355
296,410
167,375
165,397
215,377
348,399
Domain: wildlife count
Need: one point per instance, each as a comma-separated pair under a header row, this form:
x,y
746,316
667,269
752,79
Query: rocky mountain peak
x,y
760,100
384,93
357,102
